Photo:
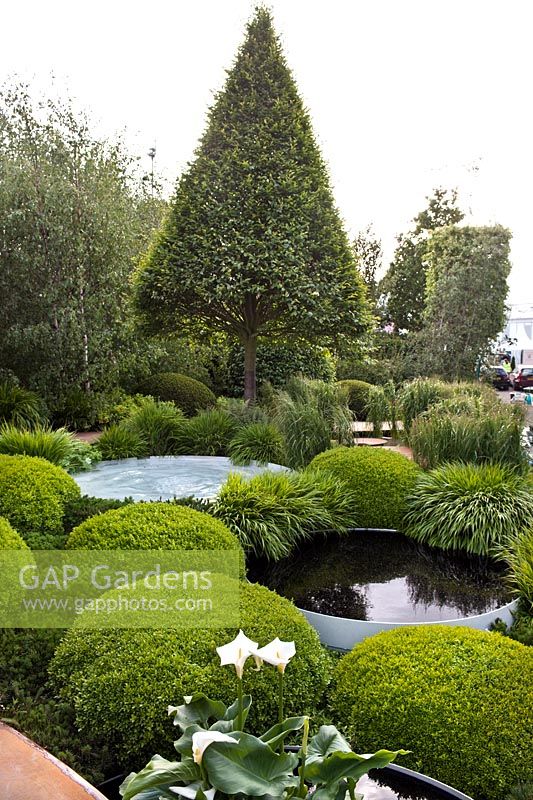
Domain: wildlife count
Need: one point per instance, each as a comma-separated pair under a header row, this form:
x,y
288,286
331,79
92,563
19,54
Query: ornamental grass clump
x,y
19,406
209,433
476,508
160,425
479,436
59,446
217,755
120,442
518,553
274,512
259,441
458,698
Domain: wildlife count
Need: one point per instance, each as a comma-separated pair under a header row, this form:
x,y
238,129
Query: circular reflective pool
x,y
386,577
163,477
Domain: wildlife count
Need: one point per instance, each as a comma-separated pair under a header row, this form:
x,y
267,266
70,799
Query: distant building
x,y
517,337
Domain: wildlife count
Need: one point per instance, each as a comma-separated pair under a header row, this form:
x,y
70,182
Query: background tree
x,y
466,290
405,282
369,254
72,221
253,245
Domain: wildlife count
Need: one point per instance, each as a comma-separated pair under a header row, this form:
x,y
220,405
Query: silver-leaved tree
x,y
253,245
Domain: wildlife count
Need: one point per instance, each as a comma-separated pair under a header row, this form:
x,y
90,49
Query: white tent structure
x,y
517,337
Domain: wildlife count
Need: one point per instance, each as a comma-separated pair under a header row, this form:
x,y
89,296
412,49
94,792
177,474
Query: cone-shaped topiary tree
x,y
253,244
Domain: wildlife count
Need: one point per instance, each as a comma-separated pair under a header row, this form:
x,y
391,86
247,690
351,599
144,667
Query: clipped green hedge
x,y
458,698
121,681
381,479
187,393
152,526
33,494
470,507
9,538
356,393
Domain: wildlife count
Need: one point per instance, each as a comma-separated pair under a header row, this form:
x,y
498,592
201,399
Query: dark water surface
x,y
384,576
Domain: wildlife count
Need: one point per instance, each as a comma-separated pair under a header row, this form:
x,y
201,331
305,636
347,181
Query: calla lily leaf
x,y
199,709
347,765
278,733
159,774
232,711
251,768
328,740
184,744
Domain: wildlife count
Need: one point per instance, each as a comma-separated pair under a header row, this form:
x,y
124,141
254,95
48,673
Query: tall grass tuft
x,y
310,415
275,511
258,441
469,507
20,407
120,442
518,553
208,433
478,436
59,447
160,425
418,395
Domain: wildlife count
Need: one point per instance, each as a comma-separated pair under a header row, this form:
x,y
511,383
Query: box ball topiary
x,y
121,681
458,698
356,394
381,478
34,493
187,393
9,538
153,526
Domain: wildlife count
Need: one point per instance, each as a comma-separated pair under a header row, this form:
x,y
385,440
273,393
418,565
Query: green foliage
x,y
33,494
260,442
275,511
518,553
381,407
19,406
521,791
418,395
521,628
74,220
60,447
121,442
159,425
152,526
310,414
464,263
278,361
122,681
380,479
208,434
186,393
243,412
404,284
356,394
481,436
82,508
9,538
470,507
456,697
253,245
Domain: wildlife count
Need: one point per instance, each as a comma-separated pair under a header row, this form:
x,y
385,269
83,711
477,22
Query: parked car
x,y
499,378
523,378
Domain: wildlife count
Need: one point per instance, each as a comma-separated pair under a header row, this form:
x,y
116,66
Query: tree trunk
x,y
250,353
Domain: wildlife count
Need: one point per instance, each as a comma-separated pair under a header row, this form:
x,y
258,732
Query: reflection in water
x,y
384,784
383,576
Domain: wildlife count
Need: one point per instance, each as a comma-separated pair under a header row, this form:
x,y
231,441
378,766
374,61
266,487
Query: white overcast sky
x,y
405,95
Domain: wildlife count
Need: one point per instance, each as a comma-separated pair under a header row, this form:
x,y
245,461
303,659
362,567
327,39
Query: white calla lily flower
x,y
236,652
277,653
202,739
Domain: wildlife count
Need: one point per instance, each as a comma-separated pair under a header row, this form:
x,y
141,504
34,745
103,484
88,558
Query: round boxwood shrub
x,y
381,479
121,681
471,507
33,494
187,393
356,393
458,698
10,539
152,526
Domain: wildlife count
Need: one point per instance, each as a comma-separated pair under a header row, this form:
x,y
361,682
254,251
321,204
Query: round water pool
x,y
354,586
163,477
